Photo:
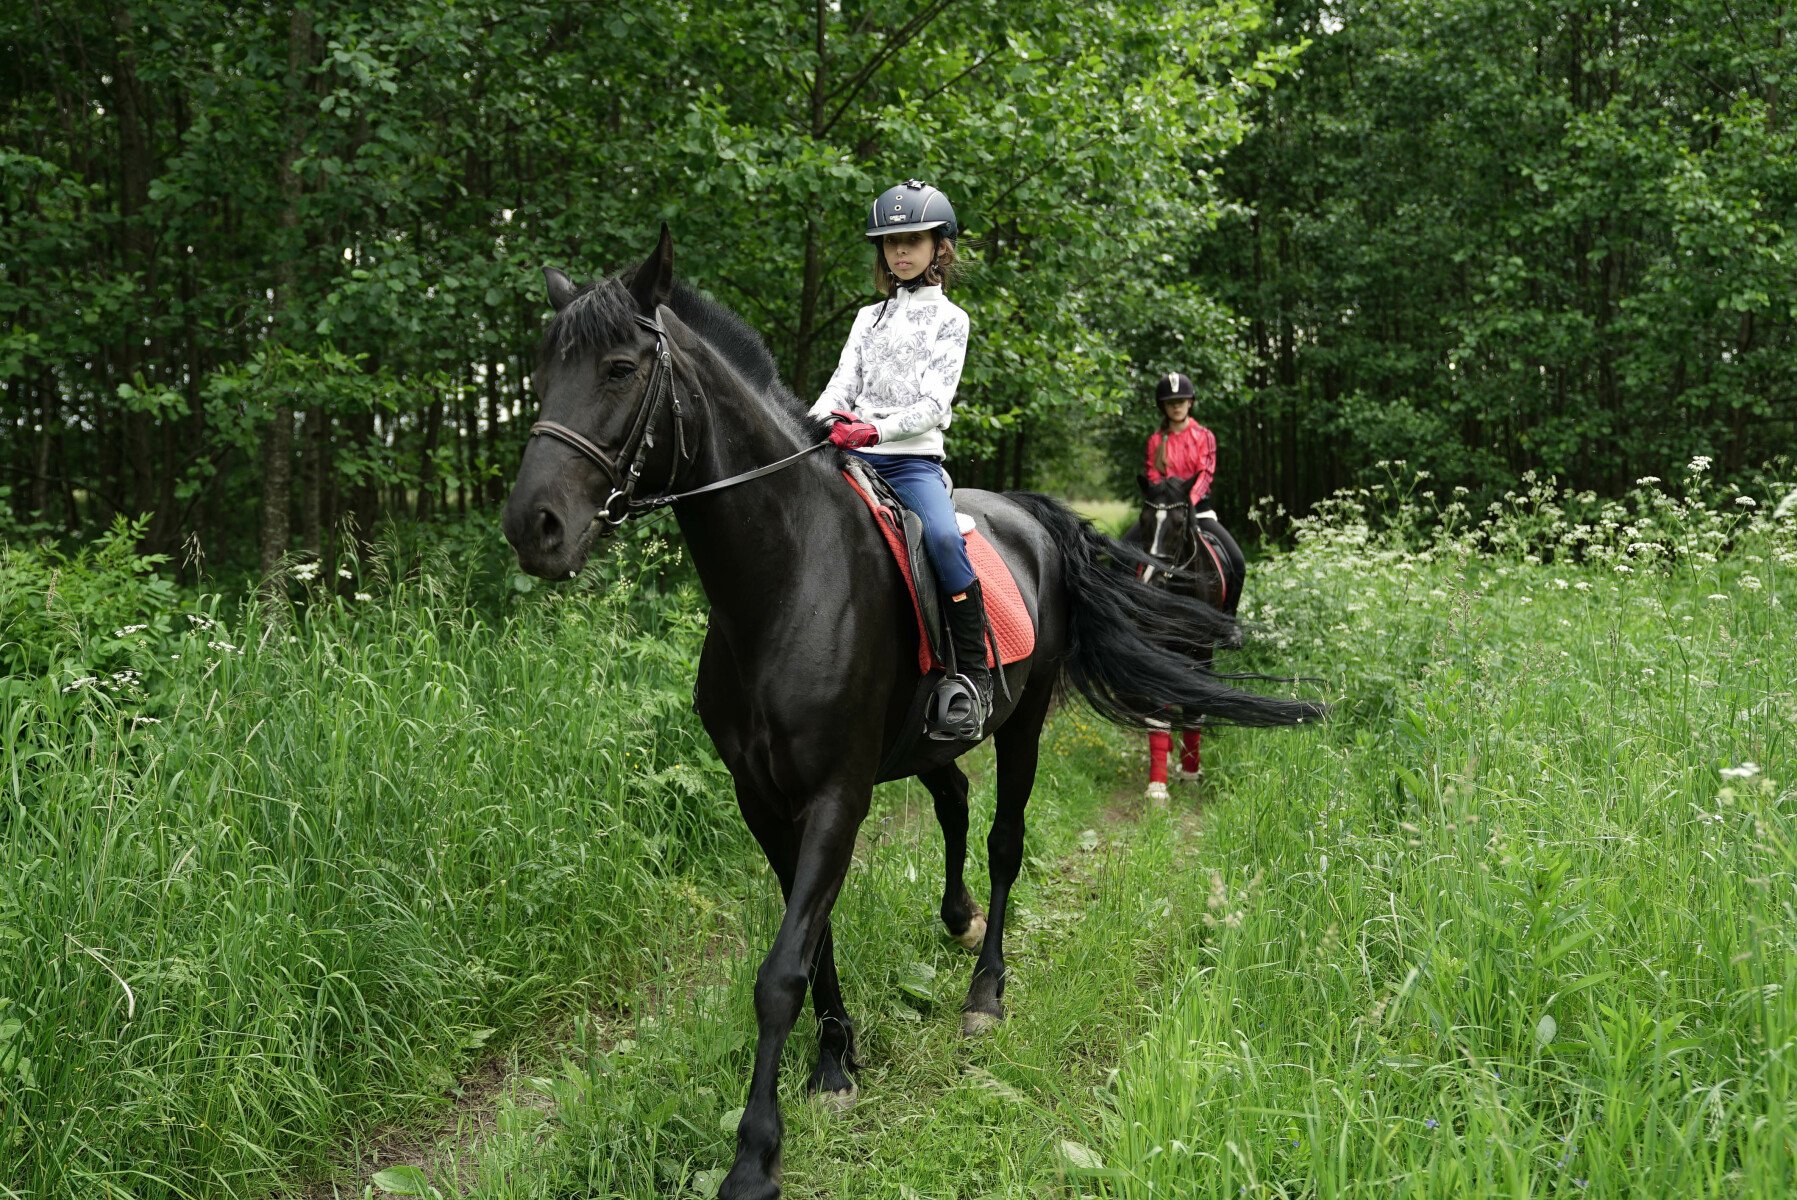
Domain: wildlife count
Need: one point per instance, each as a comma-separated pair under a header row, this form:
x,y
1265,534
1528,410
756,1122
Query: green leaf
x,y
918,980
404,1181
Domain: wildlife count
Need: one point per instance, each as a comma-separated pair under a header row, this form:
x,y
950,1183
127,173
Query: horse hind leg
x,y
960,915
1017,744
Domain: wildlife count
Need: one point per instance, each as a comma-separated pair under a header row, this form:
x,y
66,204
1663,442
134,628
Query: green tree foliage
x,y
269,270
1489,236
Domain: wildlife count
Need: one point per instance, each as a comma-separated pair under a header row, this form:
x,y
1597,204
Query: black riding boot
x,y
963,701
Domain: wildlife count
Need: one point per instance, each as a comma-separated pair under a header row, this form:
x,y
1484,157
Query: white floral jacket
x,y
899,370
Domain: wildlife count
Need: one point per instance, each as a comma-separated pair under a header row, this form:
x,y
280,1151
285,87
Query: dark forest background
x,y
270,276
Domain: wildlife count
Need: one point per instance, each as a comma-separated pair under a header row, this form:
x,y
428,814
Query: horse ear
x,y
1142,484
561,288
653,282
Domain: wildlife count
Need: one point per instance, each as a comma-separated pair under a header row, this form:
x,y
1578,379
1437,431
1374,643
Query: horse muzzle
x,y
552,540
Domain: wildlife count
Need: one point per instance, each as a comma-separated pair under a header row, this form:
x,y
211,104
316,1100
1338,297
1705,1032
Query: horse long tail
x,y
1132,649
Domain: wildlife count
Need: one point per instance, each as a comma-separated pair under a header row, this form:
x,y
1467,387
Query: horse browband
x,y
638,442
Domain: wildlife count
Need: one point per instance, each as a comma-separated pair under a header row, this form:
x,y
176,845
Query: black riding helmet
x,y
1172,386
909,207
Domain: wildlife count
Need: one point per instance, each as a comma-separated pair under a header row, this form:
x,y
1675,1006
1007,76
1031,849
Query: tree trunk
x,y
138,254
277,446
311,480
427,459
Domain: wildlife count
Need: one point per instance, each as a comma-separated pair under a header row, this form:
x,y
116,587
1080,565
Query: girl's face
x,y
1176,410
908,254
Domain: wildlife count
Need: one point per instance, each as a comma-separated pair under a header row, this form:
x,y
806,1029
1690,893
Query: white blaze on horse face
x,y
1154,549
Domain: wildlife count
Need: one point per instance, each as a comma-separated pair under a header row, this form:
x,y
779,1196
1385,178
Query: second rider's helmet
x,y
911,206
1172,386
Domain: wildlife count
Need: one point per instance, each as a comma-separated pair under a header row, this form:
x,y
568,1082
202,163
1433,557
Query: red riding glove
x,y
850,432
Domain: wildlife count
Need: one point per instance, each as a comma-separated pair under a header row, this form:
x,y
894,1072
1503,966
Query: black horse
x,y
810,659
1170,535
1169,532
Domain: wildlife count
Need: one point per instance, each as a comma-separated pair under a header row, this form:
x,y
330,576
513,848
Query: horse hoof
x,y
975,935
975,1023
839,1102
749,1187
1156,795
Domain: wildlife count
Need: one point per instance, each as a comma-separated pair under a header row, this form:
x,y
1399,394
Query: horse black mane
x,y
603,313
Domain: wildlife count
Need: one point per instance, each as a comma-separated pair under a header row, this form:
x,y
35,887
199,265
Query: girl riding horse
x,y
1182,449
891,397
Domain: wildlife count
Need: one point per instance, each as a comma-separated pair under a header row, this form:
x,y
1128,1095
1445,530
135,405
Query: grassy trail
x,y
640,1103
1520,920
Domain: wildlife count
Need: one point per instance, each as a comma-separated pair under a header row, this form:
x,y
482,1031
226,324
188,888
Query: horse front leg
x,y
948,788
779,840
833,1081
824,849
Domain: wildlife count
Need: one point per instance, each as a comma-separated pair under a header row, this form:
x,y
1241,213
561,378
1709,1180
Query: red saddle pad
x,y
1012,627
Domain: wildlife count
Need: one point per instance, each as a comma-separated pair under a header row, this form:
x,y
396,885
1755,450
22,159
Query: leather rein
x,y
623,502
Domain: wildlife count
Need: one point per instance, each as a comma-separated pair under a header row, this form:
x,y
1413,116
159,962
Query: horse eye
x,y
623,370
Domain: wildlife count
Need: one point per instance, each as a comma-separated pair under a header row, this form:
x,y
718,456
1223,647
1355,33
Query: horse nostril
x,y
549,529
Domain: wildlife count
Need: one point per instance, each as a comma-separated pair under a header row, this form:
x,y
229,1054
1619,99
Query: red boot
x,y
1191,763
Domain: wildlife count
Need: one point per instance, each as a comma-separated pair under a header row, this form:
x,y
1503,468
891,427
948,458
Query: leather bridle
x,y
1183,568
623,503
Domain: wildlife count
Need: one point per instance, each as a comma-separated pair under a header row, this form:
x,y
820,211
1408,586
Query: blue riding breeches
x,y
923,487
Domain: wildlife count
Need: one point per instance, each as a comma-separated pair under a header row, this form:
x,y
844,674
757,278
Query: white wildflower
x,y
84,681
306,572
363,596
1560,583
1582,586
1623,569
128,630
146,720
1747,502
1716,596
343,573
1699,464
1746,770
1647,479
1750,582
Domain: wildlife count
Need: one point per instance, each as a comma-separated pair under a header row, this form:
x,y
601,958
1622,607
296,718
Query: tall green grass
x,y
1501,927
287,874
1519,922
